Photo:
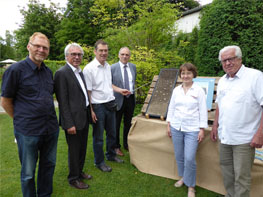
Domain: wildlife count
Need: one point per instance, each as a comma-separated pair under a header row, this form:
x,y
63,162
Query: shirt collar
x,y
239,72
122,65
98,64
74,69
33,65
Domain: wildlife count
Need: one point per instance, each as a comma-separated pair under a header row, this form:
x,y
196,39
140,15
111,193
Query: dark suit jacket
x,y
71,99
117,80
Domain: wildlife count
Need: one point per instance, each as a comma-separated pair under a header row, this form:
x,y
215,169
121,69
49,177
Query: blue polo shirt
x,y
31,89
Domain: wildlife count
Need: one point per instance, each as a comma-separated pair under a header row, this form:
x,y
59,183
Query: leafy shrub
x,y
225,23
54,65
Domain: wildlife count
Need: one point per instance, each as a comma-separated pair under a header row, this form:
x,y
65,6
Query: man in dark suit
x,y
74,109
124,76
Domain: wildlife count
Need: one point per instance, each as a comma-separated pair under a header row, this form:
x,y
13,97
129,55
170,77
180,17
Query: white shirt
x,y
188,112
98,80
129,75
239,101
76,71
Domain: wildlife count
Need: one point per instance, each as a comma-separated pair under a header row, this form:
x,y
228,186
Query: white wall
x,y
188,22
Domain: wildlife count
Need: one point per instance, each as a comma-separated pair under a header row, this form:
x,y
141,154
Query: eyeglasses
x,y
39,47
76,54
124,54
231,60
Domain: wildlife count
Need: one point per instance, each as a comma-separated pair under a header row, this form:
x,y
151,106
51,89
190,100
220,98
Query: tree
x,y
77,24
186,4
186,45
153,30
38,18
225,23
7,50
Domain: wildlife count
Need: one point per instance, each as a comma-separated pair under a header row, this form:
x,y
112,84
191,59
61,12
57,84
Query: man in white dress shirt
x,y
238,120
74,110
99,84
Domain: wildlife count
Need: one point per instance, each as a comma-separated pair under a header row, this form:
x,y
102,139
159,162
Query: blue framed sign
x,y
208,85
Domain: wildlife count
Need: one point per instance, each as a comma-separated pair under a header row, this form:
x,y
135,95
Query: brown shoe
x,y
79,184
118,152
85,176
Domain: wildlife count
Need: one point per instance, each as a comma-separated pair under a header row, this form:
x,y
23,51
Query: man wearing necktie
x,y
124,76
74,112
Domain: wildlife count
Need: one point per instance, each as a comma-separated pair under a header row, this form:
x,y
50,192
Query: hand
x,y
93,116
72,130
257,140
169,130
201,135
213,134
125,92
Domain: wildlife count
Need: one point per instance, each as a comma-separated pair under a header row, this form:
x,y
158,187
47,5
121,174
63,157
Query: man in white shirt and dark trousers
x,y
99,84
124,76
238,120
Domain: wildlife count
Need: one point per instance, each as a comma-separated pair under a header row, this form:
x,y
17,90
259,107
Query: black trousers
x,y
77,146
126,112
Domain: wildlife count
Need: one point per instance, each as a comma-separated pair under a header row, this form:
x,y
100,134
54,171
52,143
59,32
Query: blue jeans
x,y
185,147
106,120
29,149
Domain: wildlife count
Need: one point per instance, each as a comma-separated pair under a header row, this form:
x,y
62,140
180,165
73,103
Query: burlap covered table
x,y
151,151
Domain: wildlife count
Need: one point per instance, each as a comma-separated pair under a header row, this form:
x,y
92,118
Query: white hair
x,y
124,48
72,45
238,51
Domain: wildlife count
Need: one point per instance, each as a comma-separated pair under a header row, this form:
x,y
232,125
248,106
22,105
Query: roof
x,y
196,9
8,61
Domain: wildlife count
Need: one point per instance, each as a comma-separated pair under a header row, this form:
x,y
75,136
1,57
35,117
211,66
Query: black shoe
x,y
79,184
104,168
85,176
116,159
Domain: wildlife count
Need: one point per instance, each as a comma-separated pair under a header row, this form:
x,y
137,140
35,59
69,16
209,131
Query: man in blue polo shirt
x,y
27,89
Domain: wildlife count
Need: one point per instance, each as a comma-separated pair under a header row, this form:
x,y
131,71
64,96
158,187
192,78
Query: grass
x,y
125,180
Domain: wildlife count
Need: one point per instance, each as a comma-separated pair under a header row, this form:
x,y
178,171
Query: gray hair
x,y
72,45
124,48
238,51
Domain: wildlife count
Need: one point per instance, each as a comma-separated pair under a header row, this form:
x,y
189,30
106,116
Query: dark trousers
x,y
77,146
126,112
106,120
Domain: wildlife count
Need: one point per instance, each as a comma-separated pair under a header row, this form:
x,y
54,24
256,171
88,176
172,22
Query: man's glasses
x,y
124,54
76,54
39,47
231,60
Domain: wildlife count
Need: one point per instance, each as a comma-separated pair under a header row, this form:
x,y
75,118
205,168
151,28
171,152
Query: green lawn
x,y
124,180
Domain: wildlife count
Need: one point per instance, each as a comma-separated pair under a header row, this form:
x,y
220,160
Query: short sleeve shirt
x,y
99,82
32,92
239,101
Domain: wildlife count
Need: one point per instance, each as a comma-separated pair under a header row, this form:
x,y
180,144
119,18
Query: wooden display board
x,y
159,102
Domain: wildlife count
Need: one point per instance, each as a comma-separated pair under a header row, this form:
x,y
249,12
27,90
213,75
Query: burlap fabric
x,y
151,151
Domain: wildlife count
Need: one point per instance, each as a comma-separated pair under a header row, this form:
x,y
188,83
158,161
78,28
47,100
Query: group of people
x,y
102,95
238,122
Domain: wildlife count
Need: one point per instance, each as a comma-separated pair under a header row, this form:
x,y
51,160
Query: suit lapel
x,y
119,74
73,76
